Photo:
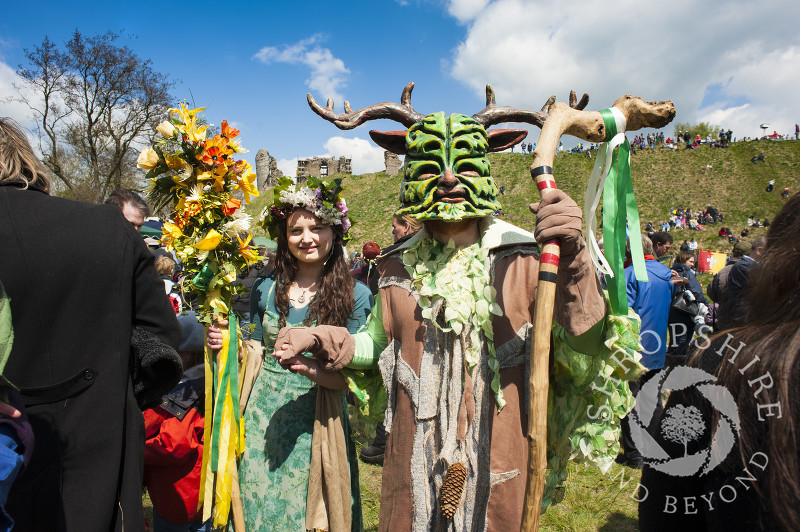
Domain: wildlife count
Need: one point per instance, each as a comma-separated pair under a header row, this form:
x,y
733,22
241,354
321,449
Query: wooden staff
x,y
587,125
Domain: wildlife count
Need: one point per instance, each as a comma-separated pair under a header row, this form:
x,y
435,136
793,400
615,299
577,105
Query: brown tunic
x,y
421,418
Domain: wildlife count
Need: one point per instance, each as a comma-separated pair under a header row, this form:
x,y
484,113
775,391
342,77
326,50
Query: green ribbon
x,y
230,374
619,207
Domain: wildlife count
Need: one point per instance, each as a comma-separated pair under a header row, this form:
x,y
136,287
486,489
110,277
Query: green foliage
x,y
703,129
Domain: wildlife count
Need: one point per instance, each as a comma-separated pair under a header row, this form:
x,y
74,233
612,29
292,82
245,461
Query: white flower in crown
x,y
323,200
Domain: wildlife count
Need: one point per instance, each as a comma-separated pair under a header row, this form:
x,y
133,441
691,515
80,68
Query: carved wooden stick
x,y
586,125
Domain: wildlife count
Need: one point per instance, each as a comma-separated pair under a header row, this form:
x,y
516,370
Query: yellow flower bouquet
x,y
210,235
208,231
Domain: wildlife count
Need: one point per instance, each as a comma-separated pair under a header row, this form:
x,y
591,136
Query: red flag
x,y
711,261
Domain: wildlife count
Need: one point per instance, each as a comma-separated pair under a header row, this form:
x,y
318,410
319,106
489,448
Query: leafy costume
x,y
445,409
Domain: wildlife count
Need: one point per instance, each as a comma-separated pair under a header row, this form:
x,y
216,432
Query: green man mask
x,y
447,174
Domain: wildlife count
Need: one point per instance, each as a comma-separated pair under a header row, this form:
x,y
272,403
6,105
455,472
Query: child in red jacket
x,y
174,443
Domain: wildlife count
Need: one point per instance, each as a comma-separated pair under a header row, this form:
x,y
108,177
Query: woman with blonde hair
x,y
75,302
18,163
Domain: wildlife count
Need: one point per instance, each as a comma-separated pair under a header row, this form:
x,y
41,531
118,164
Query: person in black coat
x,y
80,279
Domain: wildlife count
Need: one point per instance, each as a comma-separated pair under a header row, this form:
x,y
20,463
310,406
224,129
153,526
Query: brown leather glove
x,y
333,347
558,216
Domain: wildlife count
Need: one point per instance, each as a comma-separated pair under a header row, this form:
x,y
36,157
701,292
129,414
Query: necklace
x,y
302,298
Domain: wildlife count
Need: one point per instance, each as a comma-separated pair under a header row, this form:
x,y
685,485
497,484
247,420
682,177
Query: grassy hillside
x,y
662,179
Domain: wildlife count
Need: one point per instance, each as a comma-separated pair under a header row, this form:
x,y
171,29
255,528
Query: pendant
x,y
302,298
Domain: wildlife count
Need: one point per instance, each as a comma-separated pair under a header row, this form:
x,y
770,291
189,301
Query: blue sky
x,y
735,64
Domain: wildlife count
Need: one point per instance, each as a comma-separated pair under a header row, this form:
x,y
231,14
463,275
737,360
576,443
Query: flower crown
x,y
317,196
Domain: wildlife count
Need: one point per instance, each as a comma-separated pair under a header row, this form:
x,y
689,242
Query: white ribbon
x,y
594,191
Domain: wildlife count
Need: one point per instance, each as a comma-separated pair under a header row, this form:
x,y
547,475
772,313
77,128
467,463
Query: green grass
x,y
592,501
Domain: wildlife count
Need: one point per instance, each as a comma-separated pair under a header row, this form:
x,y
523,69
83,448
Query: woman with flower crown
x,y
296,411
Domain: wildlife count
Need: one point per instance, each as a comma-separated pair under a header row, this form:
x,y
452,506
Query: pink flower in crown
x,y
345,225
342,207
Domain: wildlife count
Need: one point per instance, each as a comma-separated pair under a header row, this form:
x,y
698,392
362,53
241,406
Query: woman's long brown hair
x,y
334,301
772,339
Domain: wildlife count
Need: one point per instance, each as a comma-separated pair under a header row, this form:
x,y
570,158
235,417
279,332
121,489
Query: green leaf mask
x,y
438,145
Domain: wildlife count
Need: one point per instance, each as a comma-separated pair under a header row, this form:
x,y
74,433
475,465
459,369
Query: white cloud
x,y
465,10
365,156
530,49
328,73
288,167
9,107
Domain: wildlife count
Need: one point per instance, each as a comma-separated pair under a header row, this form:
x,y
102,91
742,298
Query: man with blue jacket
x,y
651,301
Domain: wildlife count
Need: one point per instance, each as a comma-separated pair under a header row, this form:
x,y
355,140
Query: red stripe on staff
x,y
549,258
549,183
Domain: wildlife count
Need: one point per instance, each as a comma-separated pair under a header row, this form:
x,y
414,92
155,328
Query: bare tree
x,y
92,100
682,424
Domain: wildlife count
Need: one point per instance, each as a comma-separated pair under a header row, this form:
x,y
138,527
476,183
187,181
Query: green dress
x,y
279,420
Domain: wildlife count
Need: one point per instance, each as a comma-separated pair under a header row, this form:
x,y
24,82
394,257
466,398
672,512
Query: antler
x,y
491,114
589,125
403,112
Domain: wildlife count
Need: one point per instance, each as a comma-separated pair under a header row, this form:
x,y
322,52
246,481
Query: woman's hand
x,y
214,340
309,368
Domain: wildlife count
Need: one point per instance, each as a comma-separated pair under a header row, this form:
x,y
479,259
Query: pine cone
x,y
450,494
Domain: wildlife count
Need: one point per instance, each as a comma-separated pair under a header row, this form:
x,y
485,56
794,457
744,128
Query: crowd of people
x,y
685,218
105,384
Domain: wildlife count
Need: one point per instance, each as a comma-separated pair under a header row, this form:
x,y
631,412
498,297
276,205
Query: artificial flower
x,y
247,184
208,227
212,156
230,206
195,194
240,223
189,123
216,303
175,163
227,131
236,146
148,159
210,241
316,196
166,128
220,175
250,254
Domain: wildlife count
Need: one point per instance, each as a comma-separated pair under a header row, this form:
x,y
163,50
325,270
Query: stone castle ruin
x,y
392,162
267,172
323,167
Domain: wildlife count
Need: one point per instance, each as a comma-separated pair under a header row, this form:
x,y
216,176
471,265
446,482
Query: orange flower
x,y
227,131
212,156
230,206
